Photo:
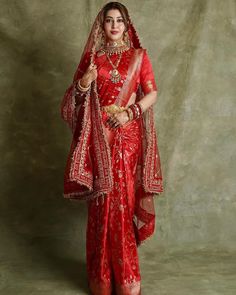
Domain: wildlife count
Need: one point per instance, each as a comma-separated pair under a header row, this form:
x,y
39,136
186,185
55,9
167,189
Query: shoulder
x,y
141,52
138,54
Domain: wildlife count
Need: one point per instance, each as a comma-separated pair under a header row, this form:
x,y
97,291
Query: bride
x,y
114,163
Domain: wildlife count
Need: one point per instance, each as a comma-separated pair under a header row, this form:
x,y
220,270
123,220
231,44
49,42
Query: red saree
x,y
117,172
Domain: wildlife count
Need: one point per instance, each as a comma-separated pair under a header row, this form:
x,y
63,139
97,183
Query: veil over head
x,y
94,42
85,122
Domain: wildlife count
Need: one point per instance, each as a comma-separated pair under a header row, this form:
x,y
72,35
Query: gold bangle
x,y
81,88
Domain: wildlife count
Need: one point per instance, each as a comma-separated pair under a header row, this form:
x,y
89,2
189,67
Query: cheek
x,y
122,28
107,27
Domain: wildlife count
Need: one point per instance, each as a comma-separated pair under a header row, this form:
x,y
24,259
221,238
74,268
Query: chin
x,y
115,38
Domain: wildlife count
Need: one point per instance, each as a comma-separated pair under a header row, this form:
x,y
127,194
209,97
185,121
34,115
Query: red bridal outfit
x,y
117,171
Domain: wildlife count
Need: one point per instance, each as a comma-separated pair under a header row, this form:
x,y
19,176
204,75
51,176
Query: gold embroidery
x,y
100,53
150,183
77,171
149,85
132,74
113,109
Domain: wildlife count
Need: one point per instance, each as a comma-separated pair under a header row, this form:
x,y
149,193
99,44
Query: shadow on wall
x,y
46,230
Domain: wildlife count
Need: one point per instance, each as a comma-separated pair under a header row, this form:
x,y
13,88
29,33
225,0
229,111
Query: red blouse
x,y
107,90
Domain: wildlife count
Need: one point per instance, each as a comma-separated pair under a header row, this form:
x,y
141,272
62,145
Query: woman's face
x,y
114,25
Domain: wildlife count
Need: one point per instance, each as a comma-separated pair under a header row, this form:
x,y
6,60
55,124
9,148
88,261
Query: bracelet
x,y
134,111
140,108
81,88
130,114
137,113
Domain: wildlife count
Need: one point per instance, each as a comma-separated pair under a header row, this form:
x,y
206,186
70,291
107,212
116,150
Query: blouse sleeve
x,y
147,77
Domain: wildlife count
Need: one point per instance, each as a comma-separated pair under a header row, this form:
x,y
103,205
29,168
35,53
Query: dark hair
x,y
116,5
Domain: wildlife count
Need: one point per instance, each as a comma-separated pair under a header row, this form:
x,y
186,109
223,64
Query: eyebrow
x,y
112,17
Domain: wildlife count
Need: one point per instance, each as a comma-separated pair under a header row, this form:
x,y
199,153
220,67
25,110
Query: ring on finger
x,y
114,122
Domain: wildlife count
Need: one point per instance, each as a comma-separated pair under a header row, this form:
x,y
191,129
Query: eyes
x,y
109,20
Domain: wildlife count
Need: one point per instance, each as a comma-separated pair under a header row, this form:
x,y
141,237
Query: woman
x,y
114,162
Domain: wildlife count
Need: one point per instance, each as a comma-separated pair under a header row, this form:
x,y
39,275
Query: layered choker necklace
x,y
115,47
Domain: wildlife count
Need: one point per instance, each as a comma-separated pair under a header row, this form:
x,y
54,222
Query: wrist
x,y
134,111
84,83
127,119
81,87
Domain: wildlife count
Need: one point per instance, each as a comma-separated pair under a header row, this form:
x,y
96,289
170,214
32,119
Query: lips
x,y
114,32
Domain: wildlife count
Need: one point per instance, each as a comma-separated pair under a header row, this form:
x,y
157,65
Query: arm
x,y
73,95
148,100
148,83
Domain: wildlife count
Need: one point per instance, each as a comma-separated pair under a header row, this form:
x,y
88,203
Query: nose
x,y
113,24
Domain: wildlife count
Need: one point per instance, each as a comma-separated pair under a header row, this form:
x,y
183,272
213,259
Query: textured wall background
x,y
192,46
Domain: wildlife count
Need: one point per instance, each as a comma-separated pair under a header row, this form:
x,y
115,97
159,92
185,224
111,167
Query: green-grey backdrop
x,y
191,44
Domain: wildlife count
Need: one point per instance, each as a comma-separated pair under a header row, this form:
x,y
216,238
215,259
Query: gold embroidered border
x,y
77,171
132,74
104,181
151,170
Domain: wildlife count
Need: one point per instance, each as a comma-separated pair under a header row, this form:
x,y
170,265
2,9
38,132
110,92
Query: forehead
x,y
113,13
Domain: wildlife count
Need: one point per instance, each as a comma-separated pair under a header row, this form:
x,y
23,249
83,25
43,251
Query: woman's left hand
x,y
118,120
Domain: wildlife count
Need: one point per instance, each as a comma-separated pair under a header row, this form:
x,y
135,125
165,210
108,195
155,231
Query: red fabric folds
x,y
89,171
111,243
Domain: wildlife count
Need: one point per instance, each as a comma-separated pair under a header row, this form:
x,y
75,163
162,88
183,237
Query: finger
x,y
117,125
90,68
111,124
110,118
114,124
110,121
93,66
93,72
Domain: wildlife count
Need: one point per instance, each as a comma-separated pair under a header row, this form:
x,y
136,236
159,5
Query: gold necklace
x,y
116,50
115,75
115,47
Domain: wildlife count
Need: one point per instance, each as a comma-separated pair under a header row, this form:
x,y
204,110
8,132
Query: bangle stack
x,y
81,88
130,114
134,111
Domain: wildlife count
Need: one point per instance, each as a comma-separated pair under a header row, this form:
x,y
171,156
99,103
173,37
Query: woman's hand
x,y
117,120
89,76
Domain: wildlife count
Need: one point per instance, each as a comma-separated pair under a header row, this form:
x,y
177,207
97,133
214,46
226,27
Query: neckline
x,y
110,50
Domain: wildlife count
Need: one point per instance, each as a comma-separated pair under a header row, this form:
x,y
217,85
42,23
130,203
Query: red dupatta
x,y
88,171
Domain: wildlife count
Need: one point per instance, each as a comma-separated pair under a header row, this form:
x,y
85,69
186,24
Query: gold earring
x,y
126,38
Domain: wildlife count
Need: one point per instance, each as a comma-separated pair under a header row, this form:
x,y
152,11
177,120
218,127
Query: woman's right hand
x,y
89,76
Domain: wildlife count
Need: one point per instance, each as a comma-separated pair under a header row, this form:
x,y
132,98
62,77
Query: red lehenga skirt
x,y
112,256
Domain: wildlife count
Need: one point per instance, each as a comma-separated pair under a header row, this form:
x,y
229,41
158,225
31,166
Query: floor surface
x,y
177,273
